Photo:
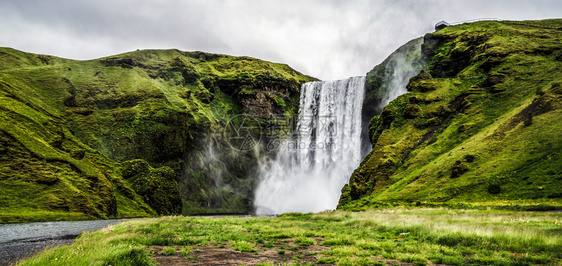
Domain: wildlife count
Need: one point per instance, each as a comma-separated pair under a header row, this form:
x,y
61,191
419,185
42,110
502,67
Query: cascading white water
x,y
309,172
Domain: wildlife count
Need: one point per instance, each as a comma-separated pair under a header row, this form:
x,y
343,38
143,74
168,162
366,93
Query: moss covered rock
x,y
158,187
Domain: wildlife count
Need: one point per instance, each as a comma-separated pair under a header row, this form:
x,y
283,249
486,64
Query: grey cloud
x,y
125,24
327,39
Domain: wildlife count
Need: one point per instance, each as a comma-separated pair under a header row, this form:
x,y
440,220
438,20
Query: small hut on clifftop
x,y
441,25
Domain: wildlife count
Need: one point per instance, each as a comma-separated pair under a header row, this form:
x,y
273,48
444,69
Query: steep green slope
x,y
130,135
481,124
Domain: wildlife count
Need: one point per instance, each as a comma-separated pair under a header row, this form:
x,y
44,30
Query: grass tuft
x,y
243,246
168,251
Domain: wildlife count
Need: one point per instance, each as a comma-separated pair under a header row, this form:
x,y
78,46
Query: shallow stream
x,y
21,240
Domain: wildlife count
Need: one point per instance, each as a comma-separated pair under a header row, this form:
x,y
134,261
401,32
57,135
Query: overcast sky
x,y
324,39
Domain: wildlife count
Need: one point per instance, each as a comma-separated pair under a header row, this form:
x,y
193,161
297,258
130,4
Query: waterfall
x,y
309,171
332,135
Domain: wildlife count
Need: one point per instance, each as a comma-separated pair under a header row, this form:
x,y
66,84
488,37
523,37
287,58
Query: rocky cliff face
x,y
479,124
137,134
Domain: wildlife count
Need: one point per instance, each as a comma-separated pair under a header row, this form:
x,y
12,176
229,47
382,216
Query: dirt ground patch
x,y
276,252
225,255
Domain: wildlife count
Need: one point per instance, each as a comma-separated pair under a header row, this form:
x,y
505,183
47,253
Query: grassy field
x,y
418,236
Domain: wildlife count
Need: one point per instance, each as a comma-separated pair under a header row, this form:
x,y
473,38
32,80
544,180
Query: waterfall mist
x,y
400,68
309,171
387,81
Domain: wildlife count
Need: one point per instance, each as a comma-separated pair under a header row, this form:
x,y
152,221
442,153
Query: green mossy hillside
x,y
70,131
482,123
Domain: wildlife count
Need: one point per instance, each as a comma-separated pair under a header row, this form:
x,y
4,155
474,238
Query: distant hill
x,y
131,135
481,124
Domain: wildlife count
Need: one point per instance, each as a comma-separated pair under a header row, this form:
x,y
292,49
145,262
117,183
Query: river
x,y
18,241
